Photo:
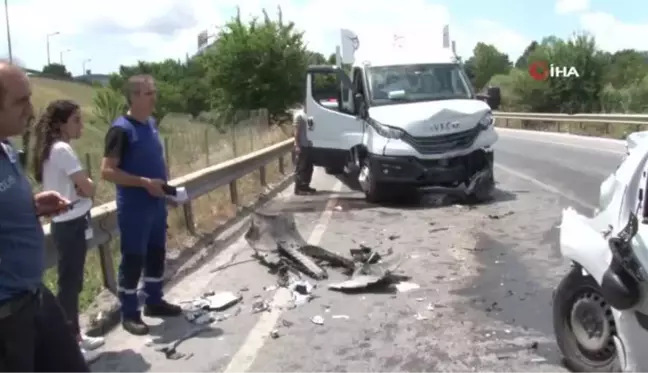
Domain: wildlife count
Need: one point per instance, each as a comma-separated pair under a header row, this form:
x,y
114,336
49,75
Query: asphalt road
x,y
486,275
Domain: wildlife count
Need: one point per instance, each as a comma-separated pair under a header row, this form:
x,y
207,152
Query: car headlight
x,y
487,121
387,131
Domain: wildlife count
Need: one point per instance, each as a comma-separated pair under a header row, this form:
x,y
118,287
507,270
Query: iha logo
x,y
542,70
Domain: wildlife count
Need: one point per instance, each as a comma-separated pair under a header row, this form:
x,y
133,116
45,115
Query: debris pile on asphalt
x,y
278,245
203,311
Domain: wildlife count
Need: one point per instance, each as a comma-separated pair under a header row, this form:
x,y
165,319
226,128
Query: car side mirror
x,y
360,106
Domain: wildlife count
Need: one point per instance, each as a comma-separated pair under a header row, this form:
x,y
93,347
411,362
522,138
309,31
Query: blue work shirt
x,y
22,242
144,157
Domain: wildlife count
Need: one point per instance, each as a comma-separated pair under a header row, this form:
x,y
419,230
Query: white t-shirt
x,y
62,163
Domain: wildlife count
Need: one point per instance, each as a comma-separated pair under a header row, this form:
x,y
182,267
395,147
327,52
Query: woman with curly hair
x,y
58,168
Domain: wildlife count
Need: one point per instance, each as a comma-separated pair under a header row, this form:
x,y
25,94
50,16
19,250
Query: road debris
x,y
169,349
495,216
405,286
278,245
260,306
274,334
202,311
318,320
345,317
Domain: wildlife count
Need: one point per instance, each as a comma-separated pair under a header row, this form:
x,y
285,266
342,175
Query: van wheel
x,y
584,325
483,185
374,191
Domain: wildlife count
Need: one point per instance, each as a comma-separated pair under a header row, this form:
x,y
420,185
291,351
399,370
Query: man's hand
x,y
154,187
50,203
297,149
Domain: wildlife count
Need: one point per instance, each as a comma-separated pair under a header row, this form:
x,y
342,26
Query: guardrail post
x,y
262,176
282,168
234,193
107,267
206,144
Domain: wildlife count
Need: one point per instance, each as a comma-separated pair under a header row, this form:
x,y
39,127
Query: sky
x,y
106,34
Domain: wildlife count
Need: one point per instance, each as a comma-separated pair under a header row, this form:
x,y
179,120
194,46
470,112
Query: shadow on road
x,y
115,361
421,200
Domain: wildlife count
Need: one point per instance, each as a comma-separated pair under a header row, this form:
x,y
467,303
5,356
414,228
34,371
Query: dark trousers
x,y
37,338
69,238
303,167
143,248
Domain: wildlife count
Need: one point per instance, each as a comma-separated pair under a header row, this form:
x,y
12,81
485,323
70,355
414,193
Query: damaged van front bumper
x,y
447,172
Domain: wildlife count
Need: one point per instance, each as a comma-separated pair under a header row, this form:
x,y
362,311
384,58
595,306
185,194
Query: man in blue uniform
x,y
134,161
34,334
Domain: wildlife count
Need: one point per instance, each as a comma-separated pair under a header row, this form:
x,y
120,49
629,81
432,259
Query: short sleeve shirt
x,y
300,121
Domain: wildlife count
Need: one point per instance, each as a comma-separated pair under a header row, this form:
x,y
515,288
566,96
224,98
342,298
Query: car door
x,y
332,129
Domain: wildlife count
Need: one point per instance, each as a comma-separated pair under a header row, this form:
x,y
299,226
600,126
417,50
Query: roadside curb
x,y
103,314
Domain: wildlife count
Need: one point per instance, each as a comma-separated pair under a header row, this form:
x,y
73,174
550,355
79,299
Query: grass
x,y
609,130
190,145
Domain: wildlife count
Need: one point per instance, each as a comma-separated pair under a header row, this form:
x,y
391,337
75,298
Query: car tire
x,y
574,288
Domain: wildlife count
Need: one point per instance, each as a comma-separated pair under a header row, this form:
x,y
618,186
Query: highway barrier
x,y
616,126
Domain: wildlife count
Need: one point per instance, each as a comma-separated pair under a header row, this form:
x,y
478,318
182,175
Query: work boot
x,y
162,309
302,191
135,325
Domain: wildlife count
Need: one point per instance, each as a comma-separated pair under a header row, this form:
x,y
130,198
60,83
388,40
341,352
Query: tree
x,y
57,70
261,64
523,61
485,63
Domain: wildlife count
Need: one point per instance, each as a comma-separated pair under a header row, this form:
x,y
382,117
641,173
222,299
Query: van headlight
x,y
487,121
388,131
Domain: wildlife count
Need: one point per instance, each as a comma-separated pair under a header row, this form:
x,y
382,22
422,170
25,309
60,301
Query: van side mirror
x,y
359,106
494,98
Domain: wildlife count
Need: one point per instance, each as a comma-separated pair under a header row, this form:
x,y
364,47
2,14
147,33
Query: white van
x,y
405,118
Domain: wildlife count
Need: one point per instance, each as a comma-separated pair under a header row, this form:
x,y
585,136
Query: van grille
x,y
443,143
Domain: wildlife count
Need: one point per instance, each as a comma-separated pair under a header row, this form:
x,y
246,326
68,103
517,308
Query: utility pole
x,y
65,51
8,31
48,45
83,73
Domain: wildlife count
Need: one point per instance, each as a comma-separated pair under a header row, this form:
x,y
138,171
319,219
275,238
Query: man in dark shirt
x,y
34,334
134,161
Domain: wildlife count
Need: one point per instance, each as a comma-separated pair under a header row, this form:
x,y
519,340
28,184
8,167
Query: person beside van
x,y
58,168
303,154
134,162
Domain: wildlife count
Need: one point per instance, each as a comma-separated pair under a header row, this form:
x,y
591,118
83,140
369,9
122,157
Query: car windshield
x,y
414,83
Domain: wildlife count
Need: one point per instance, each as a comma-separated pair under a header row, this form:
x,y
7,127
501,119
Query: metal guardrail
x,y
605,125
198,183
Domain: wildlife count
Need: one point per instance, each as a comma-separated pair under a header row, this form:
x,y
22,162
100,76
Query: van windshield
x,y
414,83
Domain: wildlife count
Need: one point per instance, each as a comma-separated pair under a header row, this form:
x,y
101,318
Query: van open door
x,y
332,129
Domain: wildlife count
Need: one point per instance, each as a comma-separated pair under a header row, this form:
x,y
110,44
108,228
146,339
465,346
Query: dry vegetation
x,y
190,145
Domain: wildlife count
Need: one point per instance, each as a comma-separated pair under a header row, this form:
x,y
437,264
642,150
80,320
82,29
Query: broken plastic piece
x,y
318,320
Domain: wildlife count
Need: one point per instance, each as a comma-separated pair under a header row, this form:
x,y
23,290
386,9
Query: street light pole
x,y
84,65
8,31
65,51
48,45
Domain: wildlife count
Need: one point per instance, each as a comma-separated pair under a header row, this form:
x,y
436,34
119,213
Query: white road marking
x,y
245,356
595,148
545,186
